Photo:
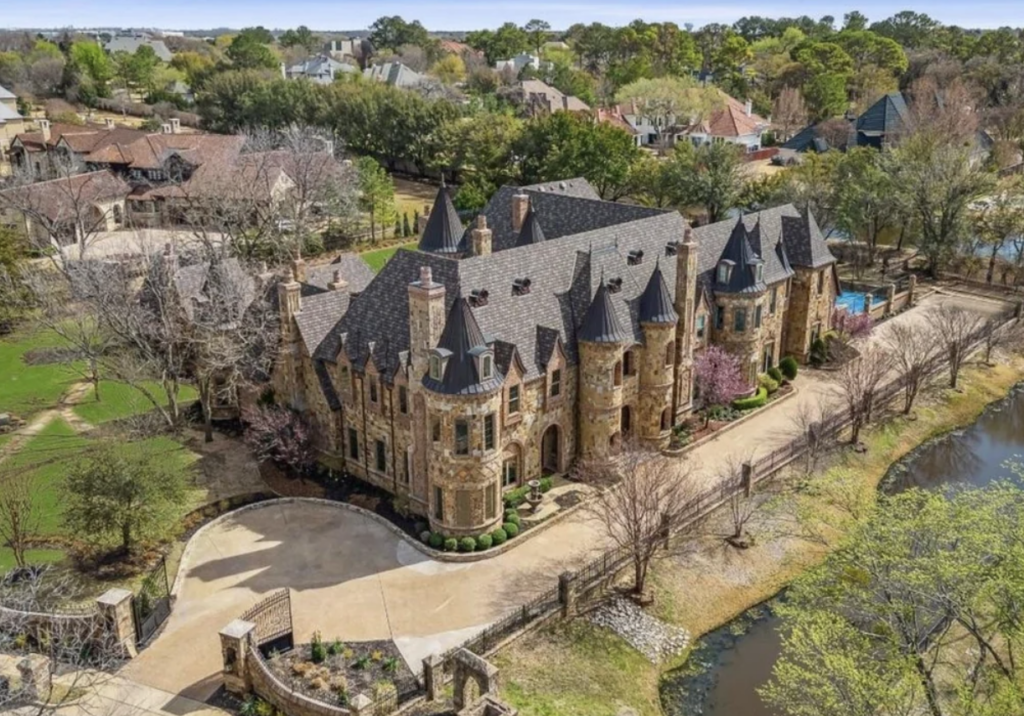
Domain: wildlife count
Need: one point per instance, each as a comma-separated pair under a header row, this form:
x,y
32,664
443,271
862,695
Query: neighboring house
x,y
11,125
395,74
554,328
611,116
355,51
321,69
65,211
536,97
558,45
733,121
131,43
56,147
518,63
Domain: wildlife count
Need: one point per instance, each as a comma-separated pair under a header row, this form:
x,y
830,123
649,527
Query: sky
x,y
468,14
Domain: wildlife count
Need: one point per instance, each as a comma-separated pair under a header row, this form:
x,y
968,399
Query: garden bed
x,y
696,432
343,669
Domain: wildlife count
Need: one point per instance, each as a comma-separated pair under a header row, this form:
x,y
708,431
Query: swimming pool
x,y
853,301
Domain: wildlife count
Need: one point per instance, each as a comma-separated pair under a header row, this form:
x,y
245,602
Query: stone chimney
x,y
338,283
426,319
749,108
165,128
289,296
44,127
108,123
520,205
481,236
175,125
299,269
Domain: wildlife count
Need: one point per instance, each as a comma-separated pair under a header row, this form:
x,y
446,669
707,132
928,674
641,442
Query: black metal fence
x,y
152,603
273,620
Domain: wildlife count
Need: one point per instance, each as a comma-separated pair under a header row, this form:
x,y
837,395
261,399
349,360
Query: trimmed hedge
x,y
467,544
768,383
483,542
436,540
513,517
775,374
498,537
754,401
789,368
511,529
451,544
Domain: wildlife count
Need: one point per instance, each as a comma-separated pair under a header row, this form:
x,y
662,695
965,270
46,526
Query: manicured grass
x,y
378,257
118,401
27,389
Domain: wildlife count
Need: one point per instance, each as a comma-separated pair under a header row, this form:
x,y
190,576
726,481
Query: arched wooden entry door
x,y
551,450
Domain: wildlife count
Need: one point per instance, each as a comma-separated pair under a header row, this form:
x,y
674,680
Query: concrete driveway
x,y
352,578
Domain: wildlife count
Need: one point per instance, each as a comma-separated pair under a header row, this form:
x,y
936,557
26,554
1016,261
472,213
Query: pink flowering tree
x,y
718,379
851,325
281,436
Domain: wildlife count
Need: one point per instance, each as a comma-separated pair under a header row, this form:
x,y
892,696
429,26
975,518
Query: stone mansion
x,y
553,328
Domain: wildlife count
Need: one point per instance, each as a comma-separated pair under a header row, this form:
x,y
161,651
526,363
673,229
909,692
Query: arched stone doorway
x,y
626,421
551,449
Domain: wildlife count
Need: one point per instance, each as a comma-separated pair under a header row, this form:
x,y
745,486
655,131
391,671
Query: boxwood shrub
x,y
467,544
754,401
436,540
768,383
514,518
775,374
788,366
451,544
498,537
483,542
511,529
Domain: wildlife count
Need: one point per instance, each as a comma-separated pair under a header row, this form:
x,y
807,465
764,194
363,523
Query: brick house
x,y
553,328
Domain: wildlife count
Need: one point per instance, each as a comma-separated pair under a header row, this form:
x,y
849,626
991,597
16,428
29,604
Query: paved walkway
x,y
352,578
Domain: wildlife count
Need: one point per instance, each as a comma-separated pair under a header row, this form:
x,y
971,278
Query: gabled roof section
x,y
656,300
464,341
531,233
888,114
444,230
805,245
600,324
743,260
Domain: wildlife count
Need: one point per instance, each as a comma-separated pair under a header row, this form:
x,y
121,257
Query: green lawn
x,y
118,400
48,457
27,389
378,257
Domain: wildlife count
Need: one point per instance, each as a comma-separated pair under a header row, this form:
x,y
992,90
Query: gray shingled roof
x,y
600,323
656,301
319,314
353,269
531,233
804,242
743,261
444,231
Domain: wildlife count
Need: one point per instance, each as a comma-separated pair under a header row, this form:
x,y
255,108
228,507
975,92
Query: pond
x,y
737,658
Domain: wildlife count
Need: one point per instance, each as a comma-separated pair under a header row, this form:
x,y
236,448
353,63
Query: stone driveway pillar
x,y
567,593
115,607
235,642
433,680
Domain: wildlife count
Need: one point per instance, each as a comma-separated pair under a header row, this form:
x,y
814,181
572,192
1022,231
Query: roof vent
x,y
561,185
635,257
672,248
614,285
478,297
521,286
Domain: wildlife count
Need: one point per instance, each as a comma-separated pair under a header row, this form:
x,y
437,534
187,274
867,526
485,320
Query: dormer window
x,y
435,367
723,272
759,272
486,367
633,258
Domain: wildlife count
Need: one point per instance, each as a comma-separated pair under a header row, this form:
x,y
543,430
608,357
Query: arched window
x,y
618,373
666,419
487,369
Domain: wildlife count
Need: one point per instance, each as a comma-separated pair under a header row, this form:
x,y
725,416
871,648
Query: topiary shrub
x,y
516,497
436,540
498,537
511,529
514,518
451,544
756,400
467,544
546,484
788,367
768,383
775,374
819,352
483,542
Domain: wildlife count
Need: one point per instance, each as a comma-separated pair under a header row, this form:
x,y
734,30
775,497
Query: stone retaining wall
x,y
271,690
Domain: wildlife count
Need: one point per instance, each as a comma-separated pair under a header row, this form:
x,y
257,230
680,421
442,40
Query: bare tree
x,y
651,500
789,113
955,330
913,352
857,382
947,113
19,509
836,132
743,504
815,420
998,335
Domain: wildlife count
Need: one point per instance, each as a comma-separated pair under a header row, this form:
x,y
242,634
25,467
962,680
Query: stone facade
x,y
810,309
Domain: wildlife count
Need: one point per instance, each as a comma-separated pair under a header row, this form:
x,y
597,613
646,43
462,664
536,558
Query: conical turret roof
x,y
600,324
531,232
656,301
463,340
444,230
738,252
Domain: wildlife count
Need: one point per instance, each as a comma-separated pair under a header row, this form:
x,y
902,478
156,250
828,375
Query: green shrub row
x,y
775,374
516,497
509,529
768,383
756,400
788,366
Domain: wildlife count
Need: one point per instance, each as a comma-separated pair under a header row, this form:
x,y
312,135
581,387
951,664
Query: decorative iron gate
x,y
152,603
273,620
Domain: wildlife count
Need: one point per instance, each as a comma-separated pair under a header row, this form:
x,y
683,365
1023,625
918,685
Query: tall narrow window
x,y
513,400
670,353
461,437
740,320
556,382
488,368
373,390
435,431
821,281
353,443
701,321
439,504
489,432
719,317
628,367
774,300
491,498
435,367
617,378
403,400
510,473
382,456
757,316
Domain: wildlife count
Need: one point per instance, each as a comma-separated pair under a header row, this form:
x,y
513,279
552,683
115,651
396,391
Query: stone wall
x,y
810,309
